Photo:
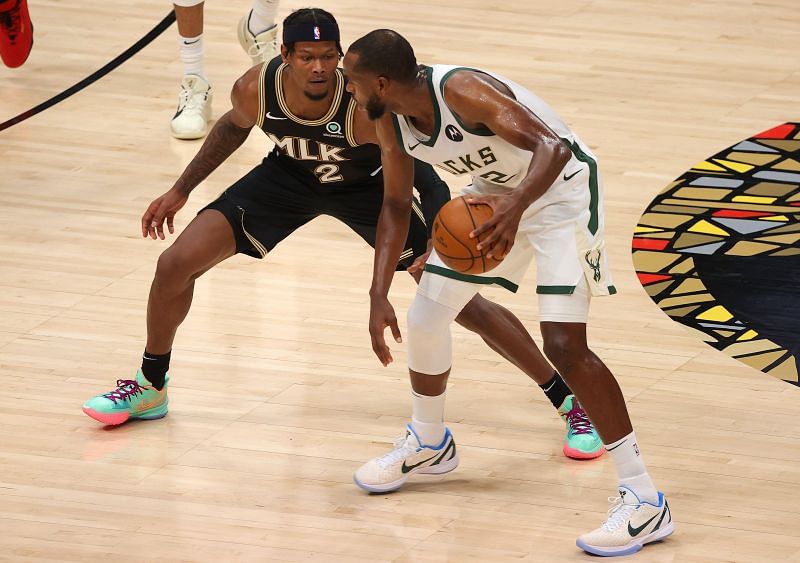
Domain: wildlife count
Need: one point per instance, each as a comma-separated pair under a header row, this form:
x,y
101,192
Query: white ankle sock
x,y
427,418
630,468
263,15
192,55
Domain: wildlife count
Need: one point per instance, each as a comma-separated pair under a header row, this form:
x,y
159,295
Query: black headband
x,y
310,32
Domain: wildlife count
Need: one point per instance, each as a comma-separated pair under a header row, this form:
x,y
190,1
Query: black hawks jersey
x,y
324,150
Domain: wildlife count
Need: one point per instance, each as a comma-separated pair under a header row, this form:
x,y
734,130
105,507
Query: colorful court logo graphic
x,y
719,251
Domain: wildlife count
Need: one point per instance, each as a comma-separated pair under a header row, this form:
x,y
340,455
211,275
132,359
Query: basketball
x,y
451,229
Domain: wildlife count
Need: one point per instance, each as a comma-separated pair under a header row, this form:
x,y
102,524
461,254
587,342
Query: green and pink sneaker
x,y
131,399
582,441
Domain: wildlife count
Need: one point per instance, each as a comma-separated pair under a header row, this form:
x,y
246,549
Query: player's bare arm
x,y
227,135
398,174
365,134
479,99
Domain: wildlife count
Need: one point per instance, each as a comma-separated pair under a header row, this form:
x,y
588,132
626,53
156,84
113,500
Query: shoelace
x,y
618,514
125,388
258,47
10,20
403,447
578,420
191,100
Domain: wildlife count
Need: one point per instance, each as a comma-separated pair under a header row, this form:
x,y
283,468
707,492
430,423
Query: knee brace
x,y
430,348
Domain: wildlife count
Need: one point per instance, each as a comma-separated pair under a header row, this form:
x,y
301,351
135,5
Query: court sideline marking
x,y
168,20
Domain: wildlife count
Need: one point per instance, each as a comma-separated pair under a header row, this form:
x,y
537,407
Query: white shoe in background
x,y
262,47
194,108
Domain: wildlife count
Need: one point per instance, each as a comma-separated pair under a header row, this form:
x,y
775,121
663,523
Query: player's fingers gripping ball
x,y
451,229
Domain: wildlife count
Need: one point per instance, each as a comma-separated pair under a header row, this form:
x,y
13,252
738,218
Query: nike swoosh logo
x,y
415,146
571,175
636,531
407,468
448,449
148,405
615,447
269,116
190,42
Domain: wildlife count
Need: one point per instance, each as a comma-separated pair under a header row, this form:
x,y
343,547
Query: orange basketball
x,y
451,229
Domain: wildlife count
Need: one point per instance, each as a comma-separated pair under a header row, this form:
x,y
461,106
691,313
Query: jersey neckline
x,y
337,99
437,116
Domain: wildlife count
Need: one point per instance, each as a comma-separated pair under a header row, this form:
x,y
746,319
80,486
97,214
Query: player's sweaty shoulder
x,y
244,95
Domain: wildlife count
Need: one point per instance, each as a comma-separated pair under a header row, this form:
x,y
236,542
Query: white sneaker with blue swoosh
x,y
390,471
631,524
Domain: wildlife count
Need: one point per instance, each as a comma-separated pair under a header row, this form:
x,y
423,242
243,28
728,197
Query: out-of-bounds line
x,y
97,75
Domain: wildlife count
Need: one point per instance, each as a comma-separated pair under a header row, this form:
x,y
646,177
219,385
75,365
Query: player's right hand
x,y
164,207
501,228
381,315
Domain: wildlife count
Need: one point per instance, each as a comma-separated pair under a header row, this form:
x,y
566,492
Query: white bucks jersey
x,y
563,228
494,163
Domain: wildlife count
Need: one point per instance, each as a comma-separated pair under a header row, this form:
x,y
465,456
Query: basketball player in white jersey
x,y
542,183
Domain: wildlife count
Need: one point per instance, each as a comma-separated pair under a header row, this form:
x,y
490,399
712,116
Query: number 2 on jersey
x,y
328,173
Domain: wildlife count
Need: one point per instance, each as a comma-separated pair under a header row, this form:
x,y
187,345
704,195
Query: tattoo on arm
x,y
221,142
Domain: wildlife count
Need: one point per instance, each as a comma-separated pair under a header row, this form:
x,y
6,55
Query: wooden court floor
x,y
275,395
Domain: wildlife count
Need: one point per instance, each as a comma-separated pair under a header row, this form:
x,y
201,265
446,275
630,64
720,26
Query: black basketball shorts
x,y
269,203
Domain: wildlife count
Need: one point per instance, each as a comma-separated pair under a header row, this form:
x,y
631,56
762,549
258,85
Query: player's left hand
x,y
381,315
502,227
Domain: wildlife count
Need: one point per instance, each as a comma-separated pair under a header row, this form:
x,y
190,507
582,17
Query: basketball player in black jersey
x,y
325,162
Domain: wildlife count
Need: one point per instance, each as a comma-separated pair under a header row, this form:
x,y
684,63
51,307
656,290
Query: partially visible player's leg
x,y
205,242
251,217
504,333
194,101
258,31
641,514
571,266
428,446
